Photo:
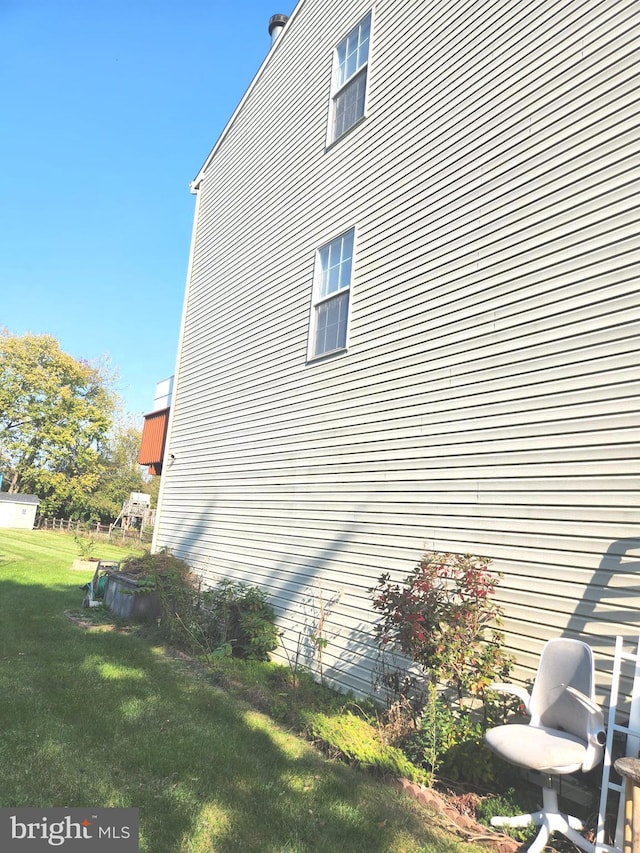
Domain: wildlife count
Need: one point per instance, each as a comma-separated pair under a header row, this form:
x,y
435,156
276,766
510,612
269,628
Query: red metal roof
x,y
154,435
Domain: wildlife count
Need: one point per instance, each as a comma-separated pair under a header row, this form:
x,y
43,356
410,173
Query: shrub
x,y
163,565
449,742
444,620
171,579
239,615
508,804
86,546
229,619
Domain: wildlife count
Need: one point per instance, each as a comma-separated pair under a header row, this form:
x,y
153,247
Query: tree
x,y
121,474
55,415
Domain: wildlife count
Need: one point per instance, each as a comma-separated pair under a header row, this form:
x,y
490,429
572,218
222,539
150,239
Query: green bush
x,y
161,566
449,742
86,545
230,619
239,616
443,619
172,580
508,804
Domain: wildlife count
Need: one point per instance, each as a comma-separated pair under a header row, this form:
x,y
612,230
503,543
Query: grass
x,y
105,718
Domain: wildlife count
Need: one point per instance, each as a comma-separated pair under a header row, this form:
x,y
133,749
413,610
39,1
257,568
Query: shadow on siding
x,y
610,604
612,595
297,590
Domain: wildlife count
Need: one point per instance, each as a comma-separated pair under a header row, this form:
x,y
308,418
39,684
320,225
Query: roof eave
x,y
197,181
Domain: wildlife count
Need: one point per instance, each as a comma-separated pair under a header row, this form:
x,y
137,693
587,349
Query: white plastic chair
x,y
565,734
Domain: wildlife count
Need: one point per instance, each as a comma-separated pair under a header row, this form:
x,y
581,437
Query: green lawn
x,y
102,718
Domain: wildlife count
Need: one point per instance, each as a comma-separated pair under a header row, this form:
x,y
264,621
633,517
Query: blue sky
x,y
109,108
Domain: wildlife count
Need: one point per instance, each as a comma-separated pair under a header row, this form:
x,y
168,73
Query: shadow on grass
x,y
97,718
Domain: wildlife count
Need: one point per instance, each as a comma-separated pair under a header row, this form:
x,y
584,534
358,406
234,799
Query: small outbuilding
x,y
18,510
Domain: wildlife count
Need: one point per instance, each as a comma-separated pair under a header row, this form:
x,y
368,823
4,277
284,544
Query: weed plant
x,y
230,618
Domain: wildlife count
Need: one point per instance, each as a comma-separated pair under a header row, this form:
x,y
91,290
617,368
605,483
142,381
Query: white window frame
x,y
343,80
330,287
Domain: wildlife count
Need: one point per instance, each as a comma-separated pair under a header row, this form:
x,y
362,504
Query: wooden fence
x,y
96,530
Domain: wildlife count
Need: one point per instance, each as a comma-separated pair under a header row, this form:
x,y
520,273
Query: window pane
x,y
347,246
353,52
335,252
363,46
324,270
345,274
349,104
331,324
347,254
334,279
342,59
352,58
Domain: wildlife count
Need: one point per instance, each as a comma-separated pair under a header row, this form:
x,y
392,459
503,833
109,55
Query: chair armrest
x,y
596,736
515,690
584,700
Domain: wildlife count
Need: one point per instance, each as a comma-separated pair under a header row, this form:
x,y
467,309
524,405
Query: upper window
x,y
350,79
330,310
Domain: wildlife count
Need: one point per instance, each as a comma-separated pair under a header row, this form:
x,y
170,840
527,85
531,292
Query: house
x,y
18,510
154,428
411,321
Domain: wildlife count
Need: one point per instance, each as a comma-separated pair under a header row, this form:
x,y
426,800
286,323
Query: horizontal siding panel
x,y
392,528
538,413
360,533
618,496
441,390
423,511
422,457
273,559
417,350
528,365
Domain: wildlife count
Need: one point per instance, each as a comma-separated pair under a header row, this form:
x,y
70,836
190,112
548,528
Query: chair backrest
x,y
564,662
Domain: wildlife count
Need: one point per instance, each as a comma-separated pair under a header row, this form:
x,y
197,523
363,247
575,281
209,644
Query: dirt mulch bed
x,y
458,813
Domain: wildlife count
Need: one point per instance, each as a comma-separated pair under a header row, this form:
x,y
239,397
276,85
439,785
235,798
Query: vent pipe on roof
x,y
276,24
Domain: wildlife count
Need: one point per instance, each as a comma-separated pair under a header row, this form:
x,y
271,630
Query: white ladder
x,y
632,732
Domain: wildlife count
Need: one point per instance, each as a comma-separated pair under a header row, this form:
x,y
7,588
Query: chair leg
x,y
550,820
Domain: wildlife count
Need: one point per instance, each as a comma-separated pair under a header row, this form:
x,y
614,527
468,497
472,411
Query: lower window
x,y
332,283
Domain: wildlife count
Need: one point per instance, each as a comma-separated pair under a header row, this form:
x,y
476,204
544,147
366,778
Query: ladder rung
x,y
618,727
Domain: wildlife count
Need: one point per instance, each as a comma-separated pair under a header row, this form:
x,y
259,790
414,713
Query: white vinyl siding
x,y
490,401
349,93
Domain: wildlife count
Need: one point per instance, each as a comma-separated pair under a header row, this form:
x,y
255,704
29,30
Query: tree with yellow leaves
x,y
55,416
